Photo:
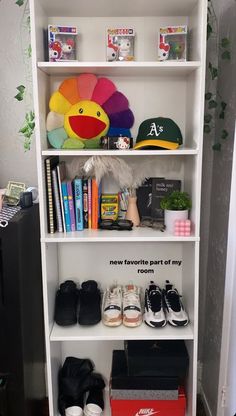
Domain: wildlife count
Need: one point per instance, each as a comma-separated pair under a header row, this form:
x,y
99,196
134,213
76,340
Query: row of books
x,y
150,194
72,205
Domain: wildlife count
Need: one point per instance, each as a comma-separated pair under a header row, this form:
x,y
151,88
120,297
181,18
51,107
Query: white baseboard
x,y
205,402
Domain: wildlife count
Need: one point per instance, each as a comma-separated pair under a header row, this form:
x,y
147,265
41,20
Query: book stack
x,y
72,205
150,194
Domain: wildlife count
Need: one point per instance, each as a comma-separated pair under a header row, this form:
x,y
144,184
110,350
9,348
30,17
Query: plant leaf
x,y
32,125
32,115
214,73
209,30
29,51
223,105
224,134
213,70
222,115
207,118
21,88
23,130
217,146
20,2
208,96
19,97
225,42
226,55
207,128
212,104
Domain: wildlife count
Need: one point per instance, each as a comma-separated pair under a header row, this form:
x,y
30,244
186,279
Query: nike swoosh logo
x,y
146,414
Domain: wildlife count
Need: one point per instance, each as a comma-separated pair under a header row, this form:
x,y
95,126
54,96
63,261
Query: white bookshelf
x,y
168,89
136,235
120,68
132,152
103,333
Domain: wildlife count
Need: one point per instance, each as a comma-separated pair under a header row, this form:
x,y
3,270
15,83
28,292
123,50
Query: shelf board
x,y
138,234
132,152
170,68
107,8
104,333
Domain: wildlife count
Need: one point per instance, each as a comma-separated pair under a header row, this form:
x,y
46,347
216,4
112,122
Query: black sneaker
x,y
90,303
94,403
66,304
175,313
73,379
74,407
154,315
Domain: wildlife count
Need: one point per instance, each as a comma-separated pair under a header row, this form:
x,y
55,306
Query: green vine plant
x,y
215,106
24,92
28,129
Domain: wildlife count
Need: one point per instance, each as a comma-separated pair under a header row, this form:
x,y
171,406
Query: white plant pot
x,y
170,217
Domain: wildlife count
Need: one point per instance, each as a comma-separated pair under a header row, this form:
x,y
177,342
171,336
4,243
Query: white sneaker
x,y
132,315
112,306
74,411
175,313
92,410
154,315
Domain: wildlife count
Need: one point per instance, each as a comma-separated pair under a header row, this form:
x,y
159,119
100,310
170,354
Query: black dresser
x,y
22,381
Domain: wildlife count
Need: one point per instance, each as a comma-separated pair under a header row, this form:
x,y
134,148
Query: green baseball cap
x,y
159,132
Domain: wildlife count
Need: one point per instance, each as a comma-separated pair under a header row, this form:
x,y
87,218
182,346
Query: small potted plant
x,y
176,206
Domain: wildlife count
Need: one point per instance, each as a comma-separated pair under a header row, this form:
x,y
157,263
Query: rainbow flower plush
x,y
84,109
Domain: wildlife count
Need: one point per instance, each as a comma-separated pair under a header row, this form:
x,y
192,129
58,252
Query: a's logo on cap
x,y
155,130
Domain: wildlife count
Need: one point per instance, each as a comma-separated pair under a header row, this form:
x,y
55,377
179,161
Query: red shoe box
x,y
149,407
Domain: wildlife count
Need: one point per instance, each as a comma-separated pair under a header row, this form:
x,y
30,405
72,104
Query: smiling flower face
x,y
84,109
86,120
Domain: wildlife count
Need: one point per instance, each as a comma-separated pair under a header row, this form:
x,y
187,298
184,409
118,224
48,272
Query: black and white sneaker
x,y
154,315
175,313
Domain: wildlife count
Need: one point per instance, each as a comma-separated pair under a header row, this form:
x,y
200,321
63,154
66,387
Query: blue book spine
x,y
78,198
66,205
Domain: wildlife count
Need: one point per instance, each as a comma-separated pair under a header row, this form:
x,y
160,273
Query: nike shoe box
x,y
128,387
149,407
157,358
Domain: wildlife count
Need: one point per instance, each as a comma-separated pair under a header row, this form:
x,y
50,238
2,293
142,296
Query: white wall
x,y
15,163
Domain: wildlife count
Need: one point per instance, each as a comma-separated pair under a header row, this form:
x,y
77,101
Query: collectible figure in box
x,y
173,43
62,43
116,143
120,44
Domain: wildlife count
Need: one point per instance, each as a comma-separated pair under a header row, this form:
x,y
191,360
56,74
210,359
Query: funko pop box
x,y
120,44
62,42
173,43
